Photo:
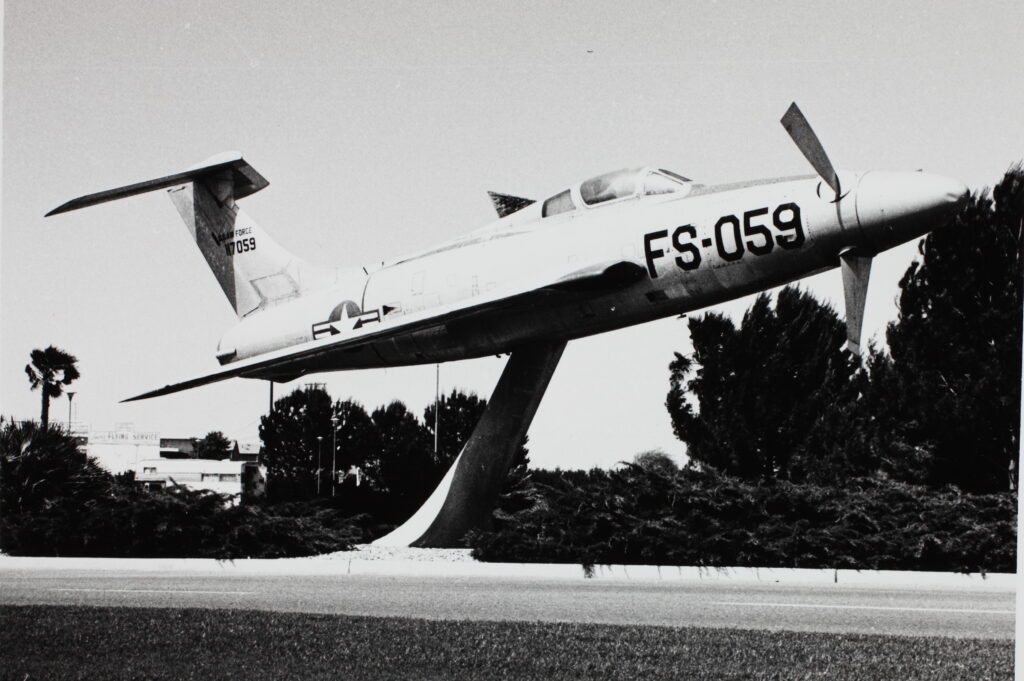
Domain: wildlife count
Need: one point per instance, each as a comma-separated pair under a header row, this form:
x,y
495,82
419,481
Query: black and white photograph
x,y
510,340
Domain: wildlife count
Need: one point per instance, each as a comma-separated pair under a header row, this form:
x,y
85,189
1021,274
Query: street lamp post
x,y
319,442
71,395
334,452
437,404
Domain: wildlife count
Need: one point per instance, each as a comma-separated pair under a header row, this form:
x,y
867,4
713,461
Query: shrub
x,y
635,515
58,502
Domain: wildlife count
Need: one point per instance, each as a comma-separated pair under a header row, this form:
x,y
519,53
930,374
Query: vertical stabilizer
x,y
253,270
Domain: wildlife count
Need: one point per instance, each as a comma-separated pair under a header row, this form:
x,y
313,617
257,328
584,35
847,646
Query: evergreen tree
x,y
656,461
404,467
762,392
356,439
214,445
297,441
393,449
459,414
949,394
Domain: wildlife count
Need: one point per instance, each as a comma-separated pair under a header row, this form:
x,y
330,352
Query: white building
x,y
119,449
224,477
125,449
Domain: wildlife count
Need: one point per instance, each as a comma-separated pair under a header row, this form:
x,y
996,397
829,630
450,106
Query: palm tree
x,y
52,369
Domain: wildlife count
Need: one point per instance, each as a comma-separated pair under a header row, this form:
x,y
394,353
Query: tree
x,y
290,446
298,438
404,468
50,370
393,448
459,414
47,485
656,461
43,464
57,501
949,391
759,390
356,439
214,445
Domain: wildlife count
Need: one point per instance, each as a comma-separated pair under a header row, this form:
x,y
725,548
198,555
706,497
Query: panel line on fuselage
x,y
705,189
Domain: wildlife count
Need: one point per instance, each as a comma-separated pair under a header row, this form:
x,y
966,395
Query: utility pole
x,y
319,442
71,395
437,404
1019,629
334,452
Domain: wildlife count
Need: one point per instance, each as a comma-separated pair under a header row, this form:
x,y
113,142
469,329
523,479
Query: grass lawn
x,y
59,642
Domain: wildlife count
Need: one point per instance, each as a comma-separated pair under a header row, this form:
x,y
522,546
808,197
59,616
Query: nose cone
x,y
895,207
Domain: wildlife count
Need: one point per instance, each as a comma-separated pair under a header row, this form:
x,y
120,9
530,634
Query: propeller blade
x,y
856,273
810,146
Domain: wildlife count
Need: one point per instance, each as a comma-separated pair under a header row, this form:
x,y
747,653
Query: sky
x,y
381,126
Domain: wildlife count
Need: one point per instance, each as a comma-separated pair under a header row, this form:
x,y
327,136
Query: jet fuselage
x,y
697,246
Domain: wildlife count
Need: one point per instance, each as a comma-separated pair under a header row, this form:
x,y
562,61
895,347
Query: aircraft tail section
x,y
253,270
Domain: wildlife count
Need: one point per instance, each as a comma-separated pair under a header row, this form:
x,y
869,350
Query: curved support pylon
x,y
466,496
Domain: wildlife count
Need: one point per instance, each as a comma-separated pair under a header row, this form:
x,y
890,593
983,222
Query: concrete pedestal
x,y
467,494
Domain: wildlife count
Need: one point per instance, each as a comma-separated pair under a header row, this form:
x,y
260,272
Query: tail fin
x,y
253,270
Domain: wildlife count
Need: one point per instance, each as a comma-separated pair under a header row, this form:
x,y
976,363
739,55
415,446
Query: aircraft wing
x,y
289,361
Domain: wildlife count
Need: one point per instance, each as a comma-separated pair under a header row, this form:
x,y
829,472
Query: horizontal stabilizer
x,y
506,204
246,181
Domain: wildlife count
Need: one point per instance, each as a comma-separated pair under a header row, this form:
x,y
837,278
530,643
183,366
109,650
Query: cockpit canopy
x,y
619,184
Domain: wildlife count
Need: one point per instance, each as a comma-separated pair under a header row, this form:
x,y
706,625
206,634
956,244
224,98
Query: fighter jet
x,y
620,248
617,249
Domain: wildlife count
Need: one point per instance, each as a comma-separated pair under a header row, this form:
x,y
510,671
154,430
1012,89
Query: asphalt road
x,y
911,611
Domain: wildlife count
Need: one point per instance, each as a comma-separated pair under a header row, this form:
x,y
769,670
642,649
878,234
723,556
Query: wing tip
x,y
62,208
166,390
